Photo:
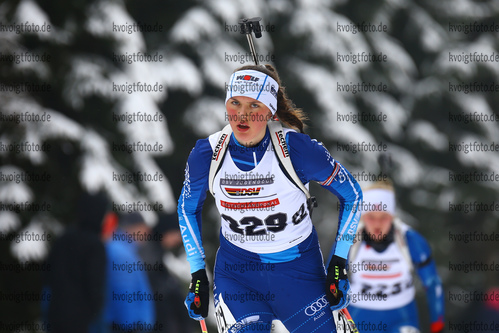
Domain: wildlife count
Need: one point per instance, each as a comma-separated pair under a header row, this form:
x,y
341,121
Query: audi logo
x,y
317,306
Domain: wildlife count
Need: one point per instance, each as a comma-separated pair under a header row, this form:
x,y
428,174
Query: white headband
x,y
378,200
254,84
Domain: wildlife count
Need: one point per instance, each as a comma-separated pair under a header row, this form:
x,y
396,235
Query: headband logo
x,y
247,78
273,91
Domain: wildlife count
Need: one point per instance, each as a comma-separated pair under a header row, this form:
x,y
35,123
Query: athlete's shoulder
x,y
287,130
301,142
295,135
418,246
213,138
201,154
118,249
201,150
196,174
205,147
401,226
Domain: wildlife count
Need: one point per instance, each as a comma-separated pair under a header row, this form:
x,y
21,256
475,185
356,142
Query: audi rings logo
x,y
317,306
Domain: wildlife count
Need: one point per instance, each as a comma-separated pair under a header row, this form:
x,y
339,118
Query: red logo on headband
x,y
247,78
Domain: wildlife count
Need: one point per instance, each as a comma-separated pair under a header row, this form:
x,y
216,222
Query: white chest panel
x,y
261,210
381,281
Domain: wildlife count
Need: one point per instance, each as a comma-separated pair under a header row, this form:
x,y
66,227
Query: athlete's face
x,y
248,119
377,224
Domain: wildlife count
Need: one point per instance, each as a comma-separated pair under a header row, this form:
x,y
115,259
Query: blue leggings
x,y
256,292
387,321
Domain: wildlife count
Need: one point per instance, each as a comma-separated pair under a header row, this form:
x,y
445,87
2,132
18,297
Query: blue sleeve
x,y
190,203
312,161
122,284
427,271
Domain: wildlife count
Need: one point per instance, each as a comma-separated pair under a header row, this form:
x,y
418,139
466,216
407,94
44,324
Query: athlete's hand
x,y
337,286
198,298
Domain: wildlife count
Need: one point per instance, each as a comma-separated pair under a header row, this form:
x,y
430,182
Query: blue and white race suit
x,y
269,264
382,282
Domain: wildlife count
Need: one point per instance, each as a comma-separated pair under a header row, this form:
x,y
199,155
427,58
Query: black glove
x,y
337,285
198,299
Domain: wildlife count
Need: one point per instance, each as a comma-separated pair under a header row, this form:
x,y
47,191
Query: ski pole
x,y
249,25
351,323
345,312
203,326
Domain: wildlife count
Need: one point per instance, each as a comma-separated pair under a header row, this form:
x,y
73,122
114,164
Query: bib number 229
x,y
252,225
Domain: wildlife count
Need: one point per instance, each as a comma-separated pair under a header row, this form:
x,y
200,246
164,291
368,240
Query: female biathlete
x,y
381,263
269,264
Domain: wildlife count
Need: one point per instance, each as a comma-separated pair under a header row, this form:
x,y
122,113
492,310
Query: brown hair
x,y
286,110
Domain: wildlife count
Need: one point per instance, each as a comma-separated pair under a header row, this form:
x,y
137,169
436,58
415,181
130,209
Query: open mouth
x,y
242,127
